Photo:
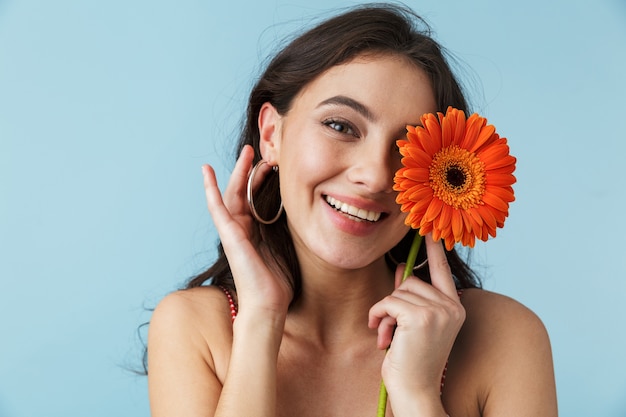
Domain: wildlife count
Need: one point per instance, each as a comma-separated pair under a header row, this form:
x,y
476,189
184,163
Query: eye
x,y
340,126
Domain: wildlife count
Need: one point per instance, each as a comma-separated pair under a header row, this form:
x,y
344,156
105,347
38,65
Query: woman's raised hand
x,y
424,321
259,283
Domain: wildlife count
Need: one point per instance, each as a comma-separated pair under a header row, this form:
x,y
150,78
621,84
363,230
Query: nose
x,y
373,168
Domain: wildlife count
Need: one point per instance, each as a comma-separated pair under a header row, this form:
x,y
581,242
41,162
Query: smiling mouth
x,y
353,212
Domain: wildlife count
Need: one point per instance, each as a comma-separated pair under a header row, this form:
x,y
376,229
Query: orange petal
x,y
421,204
499,180
457,225
406,206
472,129
434,208
495,202
477,222
412,220
489,219
399,176
436,233
417,174
445,217
485,135
468,239
467,221
425,229
500,216
487,231
431,141
507,169
447,130
505,193
434,129
445,233
505,161
473,212
493,154
459,127
419,194
471,240
401,144
420,157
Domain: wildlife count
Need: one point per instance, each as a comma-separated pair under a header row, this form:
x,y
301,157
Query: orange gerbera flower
x,y
457,177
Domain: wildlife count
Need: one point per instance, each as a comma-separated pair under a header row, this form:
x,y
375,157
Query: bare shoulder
x,y
503,351
489,311
502,328
194,305
195,324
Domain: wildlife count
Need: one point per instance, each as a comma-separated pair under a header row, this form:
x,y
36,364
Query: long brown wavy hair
x,y
373,28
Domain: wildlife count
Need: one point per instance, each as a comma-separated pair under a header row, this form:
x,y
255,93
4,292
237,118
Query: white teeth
x,y
357,213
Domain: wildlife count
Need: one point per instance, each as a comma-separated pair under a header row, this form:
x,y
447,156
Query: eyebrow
x,y
349,102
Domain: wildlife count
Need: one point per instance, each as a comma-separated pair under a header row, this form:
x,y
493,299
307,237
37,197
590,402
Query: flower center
x,y
457,177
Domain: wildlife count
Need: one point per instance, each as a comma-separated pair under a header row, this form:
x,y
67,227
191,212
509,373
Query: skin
x,y
326,355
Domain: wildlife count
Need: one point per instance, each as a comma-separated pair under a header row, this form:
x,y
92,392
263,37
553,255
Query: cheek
x,y
301,170
398,226
309,159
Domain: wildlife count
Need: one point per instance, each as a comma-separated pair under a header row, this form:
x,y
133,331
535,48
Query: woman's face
x,y
337,154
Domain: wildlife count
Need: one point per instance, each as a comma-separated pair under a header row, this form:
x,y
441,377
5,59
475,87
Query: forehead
x,y
385,83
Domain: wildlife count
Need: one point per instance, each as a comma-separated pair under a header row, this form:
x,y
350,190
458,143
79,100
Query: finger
x,y
440,273
417,292
223,218
233,238
235,193
415,311
384,323
386,327
388,307
215,203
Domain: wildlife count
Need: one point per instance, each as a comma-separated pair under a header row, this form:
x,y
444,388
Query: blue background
x,y
108,109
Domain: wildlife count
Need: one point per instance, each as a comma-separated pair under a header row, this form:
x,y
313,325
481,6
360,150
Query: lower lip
x,y
347,223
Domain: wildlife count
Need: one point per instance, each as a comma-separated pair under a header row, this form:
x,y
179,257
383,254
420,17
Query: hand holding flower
x,y
456,185
424,320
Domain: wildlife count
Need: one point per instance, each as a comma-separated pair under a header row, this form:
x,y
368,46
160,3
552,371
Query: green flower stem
x,y
410,260
382,400
408,269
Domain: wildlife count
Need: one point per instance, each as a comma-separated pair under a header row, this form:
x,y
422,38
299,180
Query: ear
x,y
269,133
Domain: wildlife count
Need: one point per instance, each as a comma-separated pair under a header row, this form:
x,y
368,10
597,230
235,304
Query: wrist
x,y
412,404
259,329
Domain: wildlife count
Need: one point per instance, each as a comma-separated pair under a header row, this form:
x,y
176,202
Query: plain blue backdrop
x,y
109,108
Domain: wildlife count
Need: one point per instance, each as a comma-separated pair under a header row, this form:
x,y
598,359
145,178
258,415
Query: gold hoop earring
x,y
250,198
396,263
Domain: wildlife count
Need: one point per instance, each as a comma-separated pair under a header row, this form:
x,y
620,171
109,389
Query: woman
x,y
315,293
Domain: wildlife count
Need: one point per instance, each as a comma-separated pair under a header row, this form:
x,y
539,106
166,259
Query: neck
x,y
333,307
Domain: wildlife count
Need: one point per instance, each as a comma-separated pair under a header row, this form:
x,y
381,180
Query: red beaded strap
x,y
231,302
443,378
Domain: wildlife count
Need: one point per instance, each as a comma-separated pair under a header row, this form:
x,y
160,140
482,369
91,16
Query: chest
x,y
329,385
321,385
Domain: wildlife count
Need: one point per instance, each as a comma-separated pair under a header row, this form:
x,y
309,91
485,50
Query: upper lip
x,y
364,210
